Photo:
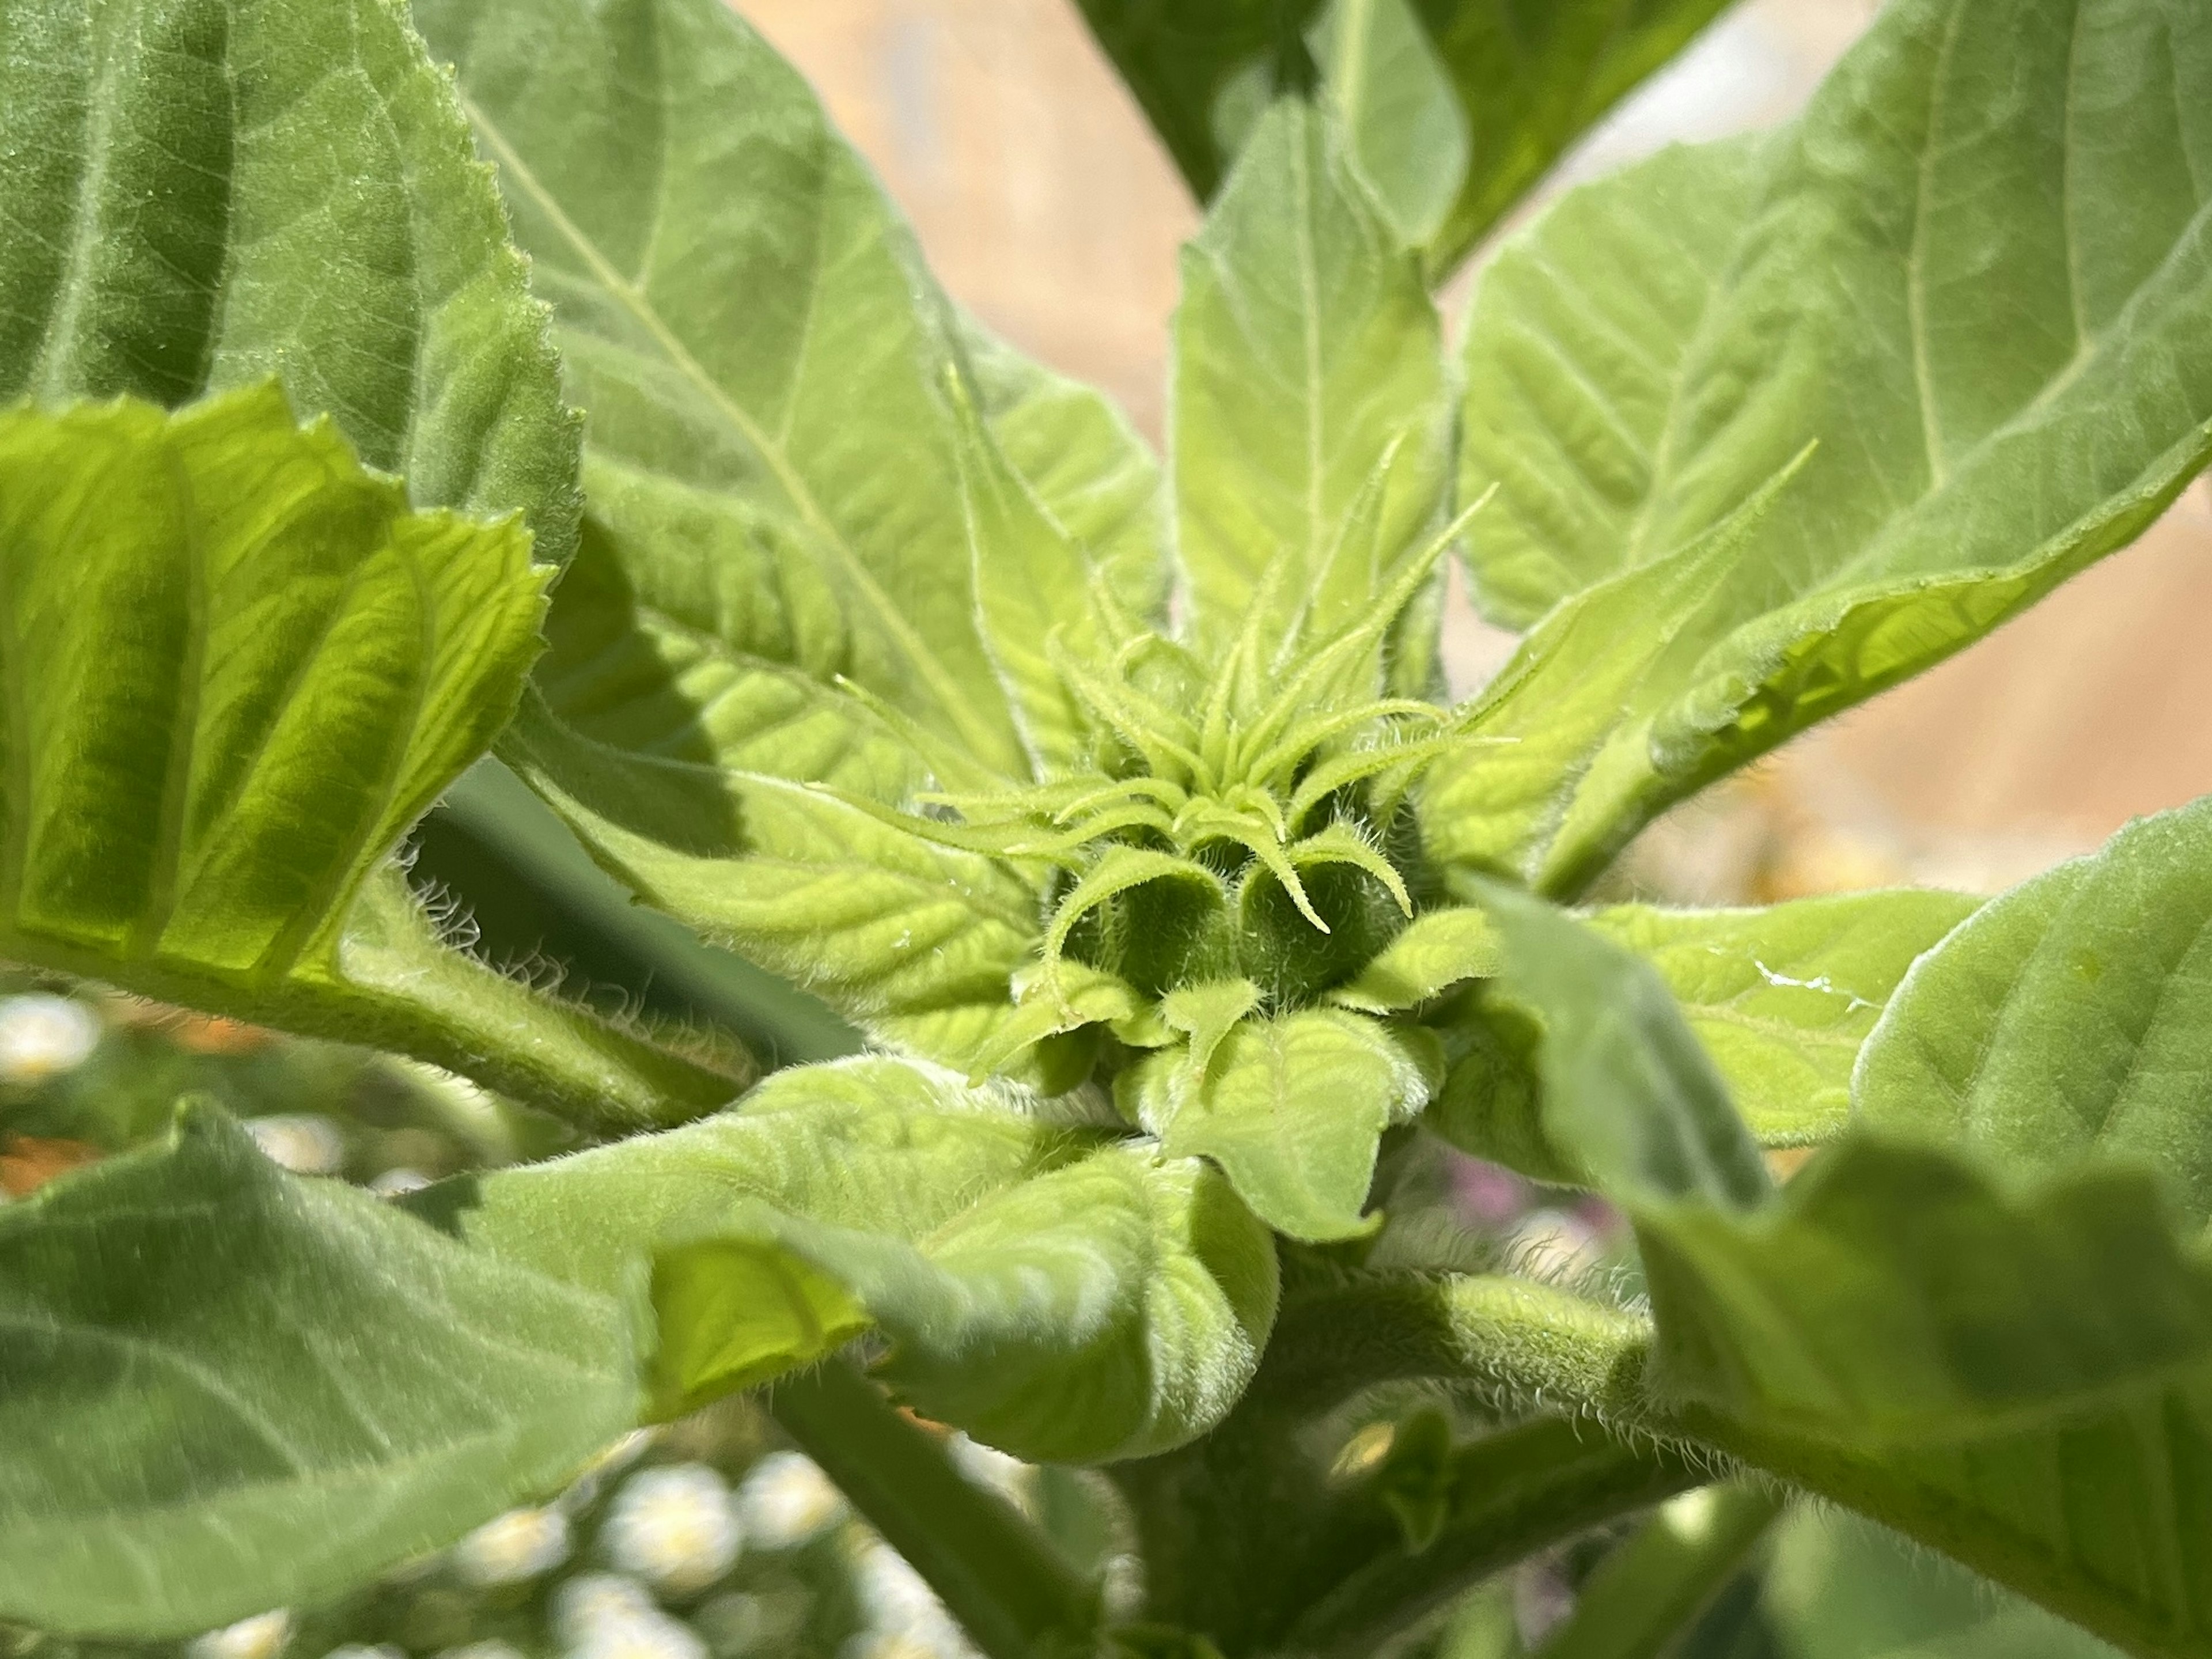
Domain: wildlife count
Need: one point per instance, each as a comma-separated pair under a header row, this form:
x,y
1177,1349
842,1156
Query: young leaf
x,y
1527,82
1067,1299
204,194
1782,997
1401,117
2067,1023
1628,1095
237,669
1992,323
1438,950
2018,1379
1306,359
771,455
918,941
222,1387
1292,1110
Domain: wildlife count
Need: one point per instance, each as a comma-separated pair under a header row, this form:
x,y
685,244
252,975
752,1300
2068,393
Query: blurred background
x,y
1046,208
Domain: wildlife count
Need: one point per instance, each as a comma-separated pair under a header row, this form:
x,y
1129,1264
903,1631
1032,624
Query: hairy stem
x,y
1009,1589
1647,1592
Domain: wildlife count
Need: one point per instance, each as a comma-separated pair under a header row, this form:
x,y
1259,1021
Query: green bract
x,y
1121,807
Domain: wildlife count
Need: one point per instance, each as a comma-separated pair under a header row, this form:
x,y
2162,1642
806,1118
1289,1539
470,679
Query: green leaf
x,y
1307,365
1576,340
2021,1381
1291,1109
1782,998
1068,1300
767,373
222,1387
2020,1378
1401,120
1991,322
202,194
1527,81
2067,1023
237,669
1435,951
917,941
1628,1095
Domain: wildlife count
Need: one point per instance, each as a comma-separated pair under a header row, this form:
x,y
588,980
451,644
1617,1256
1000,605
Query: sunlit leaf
x,y
1055,1294
203,194
1992,323
237,670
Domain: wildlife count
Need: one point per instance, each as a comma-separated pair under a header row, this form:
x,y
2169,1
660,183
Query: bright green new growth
x,y
1123,812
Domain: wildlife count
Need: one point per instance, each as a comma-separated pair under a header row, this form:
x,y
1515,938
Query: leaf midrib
x,y
943,687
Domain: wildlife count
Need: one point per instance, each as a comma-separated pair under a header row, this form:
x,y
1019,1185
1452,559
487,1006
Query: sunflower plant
x,y
534,407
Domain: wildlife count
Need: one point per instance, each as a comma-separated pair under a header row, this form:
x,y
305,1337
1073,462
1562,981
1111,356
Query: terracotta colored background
x,y
1046,207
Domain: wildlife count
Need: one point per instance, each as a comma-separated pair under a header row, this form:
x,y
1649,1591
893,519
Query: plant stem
x,y
1649,1589
1516,1491
1009,1589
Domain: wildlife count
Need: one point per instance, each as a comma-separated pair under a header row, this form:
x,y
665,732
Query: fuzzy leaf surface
x,y
1782,997
203,194
235,669
1527,82
1064,1297
222,1387
1991,321
1307,357
2071,1021
2017,1375
766,368
1292,1110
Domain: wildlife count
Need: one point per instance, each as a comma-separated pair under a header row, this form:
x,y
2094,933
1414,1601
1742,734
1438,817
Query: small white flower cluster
x,y
786,1500
261,1636
603,1615
674,1525
905,1619
517,1545
43,1036
306,1143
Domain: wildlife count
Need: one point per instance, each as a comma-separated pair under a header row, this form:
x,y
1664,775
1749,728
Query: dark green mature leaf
x,y
1992,322
1292,1109
772,449
201,194
2071,1021
1307,371
222,1387
236,670
1782,998
1067,1298
1527,81
2022,1379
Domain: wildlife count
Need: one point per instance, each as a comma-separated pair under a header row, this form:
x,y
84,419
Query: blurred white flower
x,y
590,1599
675,1525
262,1637
42,1035
305,1143
602,1615
375,1650
490,1648
786,1499
519,1544
392,1182
987,1466
905,1615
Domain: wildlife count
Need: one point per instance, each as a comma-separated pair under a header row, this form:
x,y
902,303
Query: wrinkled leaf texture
x,y
1975,274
